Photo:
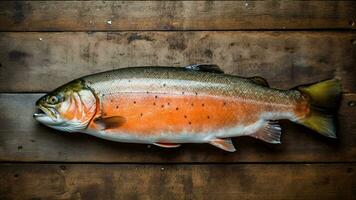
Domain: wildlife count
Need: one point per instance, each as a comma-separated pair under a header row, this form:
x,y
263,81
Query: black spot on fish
x,y
202,105
19,147
117,107
129,81
16,175
154,103
208,117
185,116
147,92
162,106
189,123
168,103
134,102
182,92
224,103
141,114
196,93
164,85
192,104
156,97
177,108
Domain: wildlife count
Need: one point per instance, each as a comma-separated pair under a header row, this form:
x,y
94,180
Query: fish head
x,y
68,108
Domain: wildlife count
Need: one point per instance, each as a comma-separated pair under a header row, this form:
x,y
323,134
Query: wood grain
x,y
22,139
175,15
244,181
43,61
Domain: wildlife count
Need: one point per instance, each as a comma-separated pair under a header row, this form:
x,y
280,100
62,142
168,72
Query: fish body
x,y
167,106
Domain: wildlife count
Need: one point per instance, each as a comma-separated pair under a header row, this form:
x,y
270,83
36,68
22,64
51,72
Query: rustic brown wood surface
x,y
23,139
43,61
44,44
243,181
175,15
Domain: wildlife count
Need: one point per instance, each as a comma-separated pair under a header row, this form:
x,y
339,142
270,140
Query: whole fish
x,y
166,106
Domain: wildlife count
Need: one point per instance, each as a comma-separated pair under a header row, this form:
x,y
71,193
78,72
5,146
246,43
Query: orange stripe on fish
x,y
154,113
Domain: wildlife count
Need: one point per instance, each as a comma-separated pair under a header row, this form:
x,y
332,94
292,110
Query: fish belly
x,y
182,118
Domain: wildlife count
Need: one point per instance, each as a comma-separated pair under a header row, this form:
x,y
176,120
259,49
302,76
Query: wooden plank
x,y
175,15
246,181
43,61
23,139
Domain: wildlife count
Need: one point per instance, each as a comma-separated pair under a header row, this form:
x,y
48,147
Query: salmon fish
x,y
167,106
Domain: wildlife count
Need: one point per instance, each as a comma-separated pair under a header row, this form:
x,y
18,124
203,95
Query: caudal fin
x,y
325,98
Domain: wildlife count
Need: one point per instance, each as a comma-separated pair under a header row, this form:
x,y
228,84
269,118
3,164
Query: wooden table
x,y
46,44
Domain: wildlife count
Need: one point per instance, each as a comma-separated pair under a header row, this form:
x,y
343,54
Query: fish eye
x,y
53,99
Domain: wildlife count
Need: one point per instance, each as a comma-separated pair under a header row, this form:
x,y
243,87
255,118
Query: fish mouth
x,y
42,111
39,113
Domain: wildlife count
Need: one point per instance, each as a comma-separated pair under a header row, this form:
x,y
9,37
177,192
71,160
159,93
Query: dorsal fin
x,y
205,68
259,80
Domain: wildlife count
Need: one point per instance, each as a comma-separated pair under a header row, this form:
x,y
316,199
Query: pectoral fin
x,y
270,133
225,144
110,122
166,145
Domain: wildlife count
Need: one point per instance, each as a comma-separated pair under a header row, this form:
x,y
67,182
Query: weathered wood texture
x,y
23,139
244,181
43,61
175,15
278,40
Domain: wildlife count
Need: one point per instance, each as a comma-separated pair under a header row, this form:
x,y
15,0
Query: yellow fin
x,y
323,94
321,123
324,97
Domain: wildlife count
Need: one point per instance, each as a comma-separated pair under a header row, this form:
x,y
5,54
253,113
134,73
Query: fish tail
x,y
324,99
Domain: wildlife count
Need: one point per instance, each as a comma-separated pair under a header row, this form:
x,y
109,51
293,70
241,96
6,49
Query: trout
x,y
167,106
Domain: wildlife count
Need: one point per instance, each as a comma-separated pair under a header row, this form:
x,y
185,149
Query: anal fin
x,y
166,145
270,133
225,144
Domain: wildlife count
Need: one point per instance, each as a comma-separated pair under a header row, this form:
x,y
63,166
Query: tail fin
x,y
324,97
